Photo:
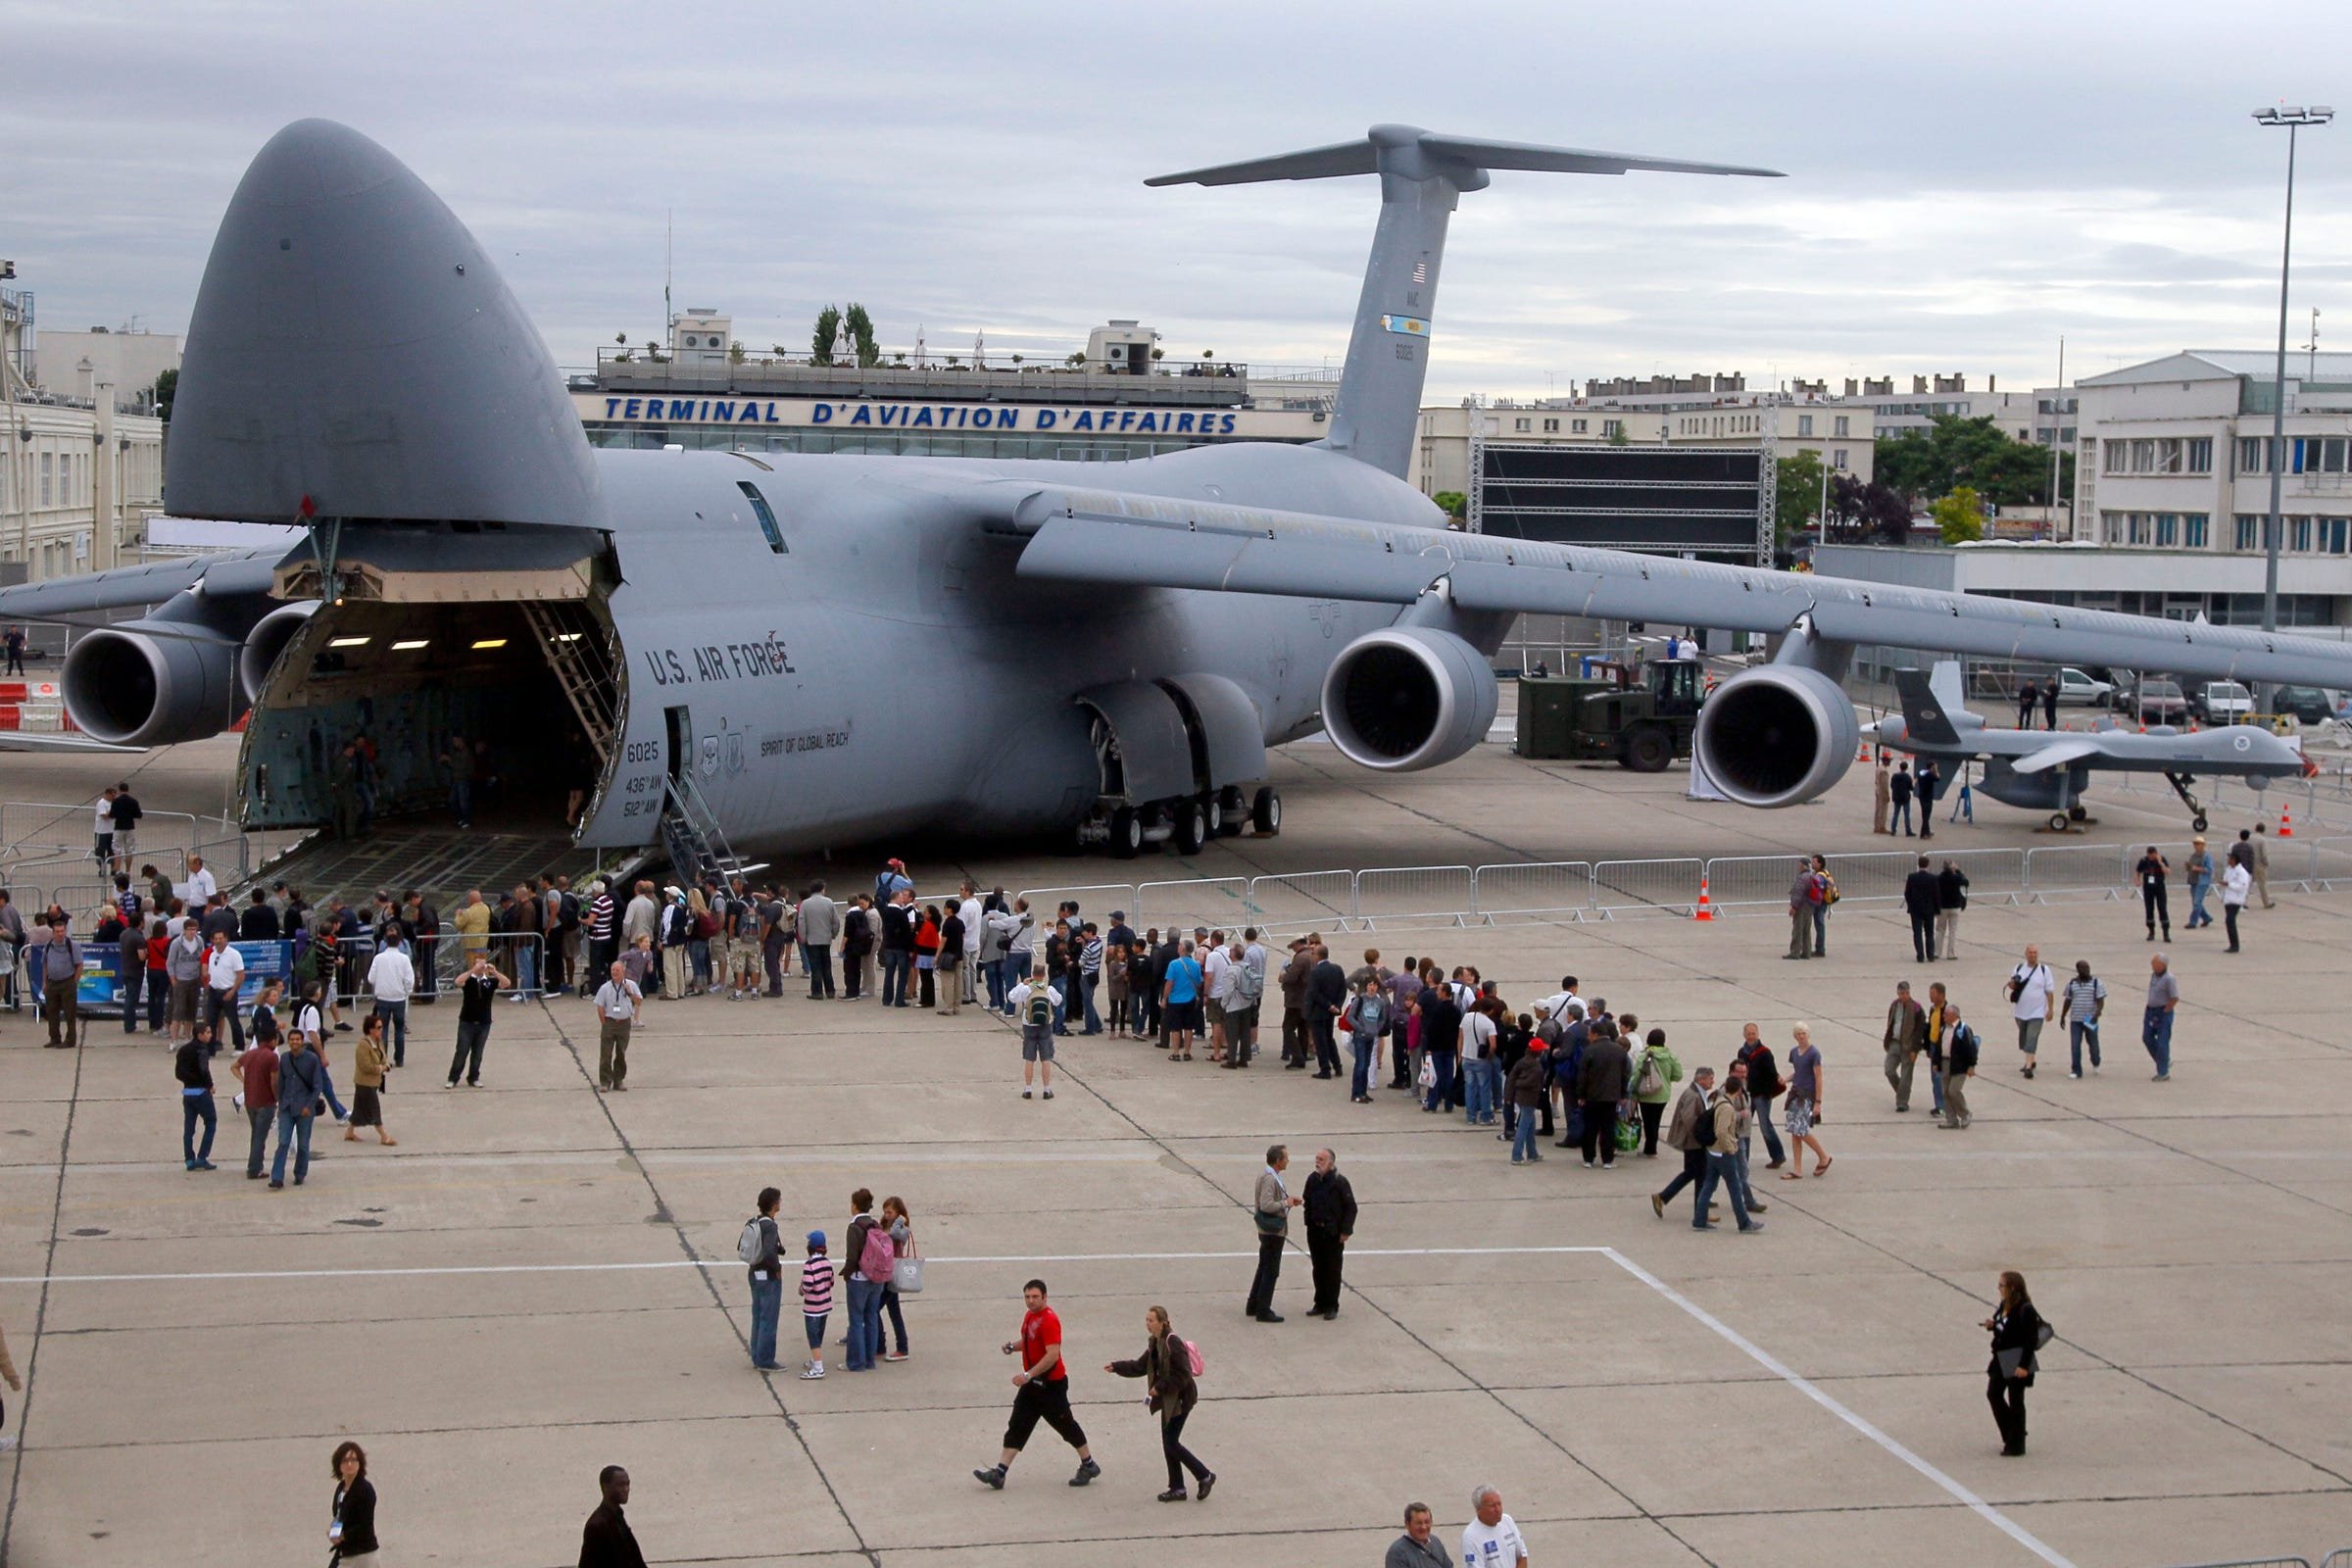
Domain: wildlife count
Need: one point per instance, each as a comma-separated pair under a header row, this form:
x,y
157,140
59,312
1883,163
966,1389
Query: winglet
x,y
1421,174
1922,712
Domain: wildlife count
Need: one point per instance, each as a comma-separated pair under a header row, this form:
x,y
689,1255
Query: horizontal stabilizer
x,y
2059,754
1443,155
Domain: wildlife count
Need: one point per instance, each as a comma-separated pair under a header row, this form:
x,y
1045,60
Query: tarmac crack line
x,y
40,1316
662,1208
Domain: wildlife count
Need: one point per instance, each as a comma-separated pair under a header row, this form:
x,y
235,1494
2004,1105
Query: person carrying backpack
x,y
762,1249
873,1260
1168,1367
1033,1002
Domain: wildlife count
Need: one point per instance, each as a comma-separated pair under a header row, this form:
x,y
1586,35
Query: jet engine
x,y
1777,735
1407,698
263,645
152,682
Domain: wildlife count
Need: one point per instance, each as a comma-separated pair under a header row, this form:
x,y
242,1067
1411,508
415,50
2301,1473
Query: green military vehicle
x,y
1639,715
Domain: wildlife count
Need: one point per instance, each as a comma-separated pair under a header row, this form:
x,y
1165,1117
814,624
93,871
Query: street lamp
x,y
2293,118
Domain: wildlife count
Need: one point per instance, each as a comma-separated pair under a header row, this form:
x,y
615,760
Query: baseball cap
x,y
817,1238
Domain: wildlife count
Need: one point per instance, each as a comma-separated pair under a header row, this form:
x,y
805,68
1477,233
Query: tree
x,y
827,333
166,385
1797,495
860,327
1452,503
1955,452
735,351
1959,516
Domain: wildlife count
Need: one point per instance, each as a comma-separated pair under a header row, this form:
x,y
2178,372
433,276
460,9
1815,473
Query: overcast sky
x,y
1965,184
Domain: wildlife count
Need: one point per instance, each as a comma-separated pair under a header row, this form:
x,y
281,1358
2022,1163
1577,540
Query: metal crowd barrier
x,y
1399,894
1218,903
1636,887
1096,900
2076,869
1734,881
1533,890
2273,1562
1304,899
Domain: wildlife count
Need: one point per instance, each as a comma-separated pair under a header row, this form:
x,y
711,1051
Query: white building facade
x,y
2175,455
78,476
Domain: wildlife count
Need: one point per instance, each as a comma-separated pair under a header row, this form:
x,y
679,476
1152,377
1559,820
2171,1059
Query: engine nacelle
x,y
152,682
1408,698
269,639
1777,735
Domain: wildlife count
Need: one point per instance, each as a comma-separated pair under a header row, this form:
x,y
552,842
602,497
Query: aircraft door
x,y
679,722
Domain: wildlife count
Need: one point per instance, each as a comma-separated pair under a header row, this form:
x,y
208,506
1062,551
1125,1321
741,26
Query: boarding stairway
x,y
581,651
698,846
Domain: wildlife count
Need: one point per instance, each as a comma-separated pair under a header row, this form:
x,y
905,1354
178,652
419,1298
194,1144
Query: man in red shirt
x,y
257,1071
1045,1391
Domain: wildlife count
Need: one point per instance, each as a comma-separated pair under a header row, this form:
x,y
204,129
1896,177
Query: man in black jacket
x,y
1763,1088
898,918
1330,1221
607,1542
1326,993
1920,900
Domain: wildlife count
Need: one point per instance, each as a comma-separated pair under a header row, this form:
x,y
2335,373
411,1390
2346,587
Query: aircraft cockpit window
x,y
767,516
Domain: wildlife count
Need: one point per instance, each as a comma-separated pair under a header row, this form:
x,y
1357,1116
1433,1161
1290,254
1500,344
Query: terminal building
x,y
1116,399
81,452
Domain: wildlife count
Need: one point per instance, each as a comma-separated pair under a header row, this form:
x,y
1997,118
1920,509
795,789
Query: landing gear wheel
x,y
1126,833
2197,822
1265,812
1212,807
1233,812
1646,751
2078,813
2058,822
1192,826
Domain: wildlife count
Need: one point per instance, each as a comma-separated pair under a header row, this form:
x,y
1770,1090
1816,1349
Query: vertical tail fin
x,y
1422,174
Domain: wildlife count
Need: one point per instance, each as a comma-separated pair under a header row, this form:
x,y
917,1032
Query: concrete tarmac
x,y
540,1280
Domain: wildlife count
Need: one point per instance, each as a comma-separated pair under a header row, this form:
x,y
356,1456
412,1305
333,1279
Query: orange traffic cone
x,y
1704,913
1862,751
2287,825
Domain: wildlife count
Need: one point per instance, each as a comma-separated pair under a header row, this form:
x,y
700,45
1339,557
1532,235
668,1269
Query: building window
x,y
2169,456
1839,426
1612,428
46,480
2249,532
1551,427
2137,533
1804,424
2332,532
1576,427
2299,535
1838,459
2119,456
2111,528
2168,529
2200,454
2192,530
2249,454
1519,424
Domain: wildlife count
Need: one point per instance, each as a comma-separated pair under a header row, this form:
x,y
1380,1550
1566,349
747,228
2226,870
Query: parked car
x,y
2310,704
2158,701
2221,701
2079,686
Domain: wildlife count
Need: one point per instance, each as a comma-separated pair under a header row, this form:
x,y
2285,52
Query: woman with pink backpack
x,y
869,1261
1168,1367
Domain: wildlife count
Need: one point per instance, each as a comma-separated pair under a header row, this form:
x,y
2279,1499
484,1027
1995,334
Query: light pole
x,y
2293,118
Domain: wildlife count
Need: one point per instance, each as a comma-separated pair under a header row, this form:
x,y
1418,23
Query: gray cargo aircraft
x,y
2044,771
788,653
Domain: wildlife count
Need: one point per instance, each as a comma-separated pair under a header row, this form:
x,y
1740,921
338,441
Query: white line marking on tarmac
x,y
1692,1310
1771,1364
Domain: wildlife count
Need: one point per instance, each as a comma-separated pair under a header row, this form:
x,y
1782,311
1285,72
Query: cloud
x,y
1965,185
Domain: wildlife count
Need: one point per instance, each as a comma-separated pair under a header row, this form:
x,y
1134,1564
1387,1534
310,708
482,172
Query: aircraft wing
x,y
1078,535
2059,753
240,571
